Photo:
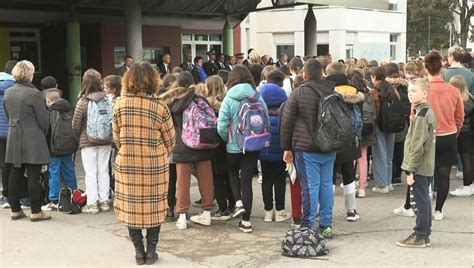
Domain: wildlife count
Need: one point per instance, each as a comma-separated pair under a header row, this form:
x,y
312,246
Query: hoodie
x,y
229,113
6,81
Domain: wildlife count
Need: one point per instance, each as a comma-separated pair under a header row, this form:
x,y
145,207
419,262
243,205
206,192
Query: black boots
x,y
151,242
137,240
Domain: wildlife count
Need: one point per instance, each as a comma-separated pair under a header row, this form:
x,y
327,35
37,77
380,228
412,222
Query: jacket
x,y
162,69
420,143
28,119
274,96
229,114
122,70
401,85
59,107
6,81
468,124
79,121
300,116
178,99
210,68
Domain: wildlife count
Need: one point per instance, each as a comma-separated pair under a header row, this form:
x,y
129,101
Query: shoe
x,y
427,241
18,215
438,216
152,237
459,175
170,215
238,211
104,206
137,240
402,211
269,215
260,178
221,216
49,207
390,187
327,232
201,219
25,203
197,203
352,216
244,228
412,241
462,191
296,223
341,185
182,223
5,202
381,190
281,215
90,209
40,217
360,193
397,182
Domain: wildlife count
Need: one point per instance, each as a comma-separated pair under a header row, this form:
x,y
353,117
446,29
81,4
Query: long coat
x,y
144,134
28,119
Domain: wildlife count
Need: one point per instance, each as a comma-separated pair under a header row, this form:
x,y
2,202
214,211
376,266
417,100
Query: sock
x,y
246,223
182,217
206,213
349,196
239,203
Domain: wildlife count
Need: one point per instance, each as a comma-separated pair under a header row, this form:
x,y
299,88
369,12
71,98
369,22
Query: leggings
x,y
442,174
172,187
467,160
347,171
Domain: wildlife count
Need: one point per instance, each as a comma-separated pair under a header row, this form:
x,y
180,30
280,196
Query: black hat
x,y
211,52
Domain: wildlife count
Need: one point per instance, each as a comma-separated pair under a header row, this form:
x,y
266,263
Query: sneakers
x,y
381,190
296,223
360,193
49,207
25,203
402,211
246,228
269,215
390,187
281,215
412,241
221,216
18,215
239,210
396,181
40,217
459,175
327,232
104,206
182,223
202,219
438,216
90,209
462,191
352,216
5,202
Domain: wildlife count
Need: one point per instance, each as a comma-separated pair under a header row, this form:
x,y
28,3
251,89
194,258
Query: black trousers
x,y
172,186
242,185
423,204
34,187
397,160
347,170
6,168
274,180
467,160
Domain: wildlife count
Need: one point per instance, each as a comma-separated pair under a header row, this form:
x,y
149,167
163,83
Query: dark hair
x,y
114,81
9,66
91,82
299,79
49,82
467,58
433,62
168,80
185,79
250,50
392,70
127,57
164,54
296,64
276,77
379,73
313,69
240,75
373,63
357,80
307,57
224,74
176,70
386,90
285,69
341,61
141,78
196,59
256,71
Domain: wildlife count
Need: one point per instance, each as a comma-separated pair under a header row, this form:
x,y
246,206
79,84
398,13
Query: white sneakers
x,y
390,187
462,191
182,222
202,219
269,215
438,216
401,211
459,175
278,216
360,193
381,190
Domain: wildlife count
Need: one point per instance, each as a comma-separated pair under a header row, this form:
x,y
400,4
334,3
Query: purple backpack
x,y
200,126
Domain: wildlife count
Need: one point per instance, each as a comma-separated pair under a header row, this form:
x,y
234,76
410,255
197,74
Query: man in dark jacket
x,y
210,67
187,65
314,167
127,64
165,67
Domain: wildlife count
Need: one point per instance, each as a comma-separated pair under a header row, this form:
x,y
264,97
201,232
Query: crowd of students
x,y
153,162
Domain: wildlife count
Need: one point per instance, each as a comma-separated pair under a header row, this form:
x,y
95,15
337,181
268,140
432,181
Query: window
x,y
289,50
393,5
393,46
25,45
152,55
200,44
349,51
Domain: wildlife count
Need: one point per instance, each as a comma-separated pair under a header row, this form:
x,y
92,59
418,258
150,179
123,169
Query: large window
x,y
151,55
200,44
25,45
393,46
289,50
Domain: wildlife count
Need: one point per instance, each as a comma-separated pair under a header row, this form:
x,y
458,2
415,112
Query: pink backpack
x,y
200,126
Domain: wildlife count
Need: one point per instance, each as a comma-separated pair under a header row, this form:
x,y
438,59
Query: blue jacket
x,y
6,81
229,113
274,96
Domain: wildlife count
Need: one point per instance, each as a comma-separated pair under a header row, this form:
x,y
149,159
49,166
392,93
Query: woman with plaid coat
x,y
144,134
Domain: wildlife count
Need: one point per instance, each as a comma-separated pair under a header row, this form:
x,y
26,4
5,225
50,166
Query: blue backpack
x,y
357,121
253,131
99,121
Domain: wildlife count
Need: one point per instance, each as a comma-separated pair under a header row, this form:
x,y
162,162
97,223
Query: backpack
x,y
253,131
200,125
303,242
357,123
66,204
392,117
368,112
335,125
99,121
63,141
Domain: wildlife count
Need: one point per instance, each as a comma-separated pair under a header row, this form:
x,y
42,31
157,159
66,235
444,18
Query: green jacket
x,y
229,113
420,142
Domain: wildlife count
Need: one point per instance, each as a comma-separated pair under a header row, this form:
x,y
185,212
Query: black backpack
x,y
66,204
392,118
304,242
63,141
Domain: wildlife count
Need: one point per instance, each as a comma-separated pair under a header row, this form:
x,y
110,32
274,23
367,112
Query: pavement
x,y
101,241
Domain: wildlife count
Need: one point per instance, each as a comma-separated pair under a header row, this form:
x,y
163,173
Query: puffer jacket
x,y
401,85
6,81
79,121
300,116
468,124
274,96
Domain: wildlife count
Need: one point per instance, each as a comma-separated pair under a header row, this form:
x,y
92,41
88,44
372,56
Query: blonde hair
x,y
266,71
335,68
24,71
52,94
457,52
362,63
460,82
422,83
254,57
350,67
201,89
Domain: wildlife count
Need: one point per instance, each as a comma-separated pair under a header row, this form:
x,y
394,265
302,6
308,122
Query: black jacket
x,y
162,69
210,68
468,115
121,71
185,66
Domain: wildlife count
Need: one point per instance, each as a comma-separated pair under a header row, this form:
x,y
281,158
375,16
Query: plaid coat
x,y
145,136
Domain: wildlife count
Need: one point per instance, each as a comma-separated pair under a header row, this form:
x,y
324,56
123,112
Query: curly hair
x,y
23,71
141,78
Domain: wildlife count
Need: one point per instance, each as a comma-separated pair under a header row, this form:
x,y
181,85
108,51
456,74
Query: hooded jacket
x,y
229,114
59,107
6,81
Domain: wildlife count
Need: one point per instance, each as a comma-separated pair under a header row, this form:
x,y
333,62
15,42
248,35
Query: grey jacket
x,y
28,120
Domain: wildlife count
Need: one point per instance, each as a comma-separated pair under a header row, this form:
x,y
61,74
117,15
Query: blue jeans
x,y
382,152
423,205
61,166
315,172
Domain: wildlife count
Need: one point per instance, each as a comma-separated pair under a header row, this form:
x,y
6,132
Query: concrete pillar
x,y
337,44
74,60
310,28
228,38
133,24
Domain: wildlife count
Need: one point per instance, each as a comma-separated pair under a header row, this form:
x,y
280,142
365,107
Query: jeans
x,y
382,152
95,160
423,204
34,187
315,171
274,178
61,167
